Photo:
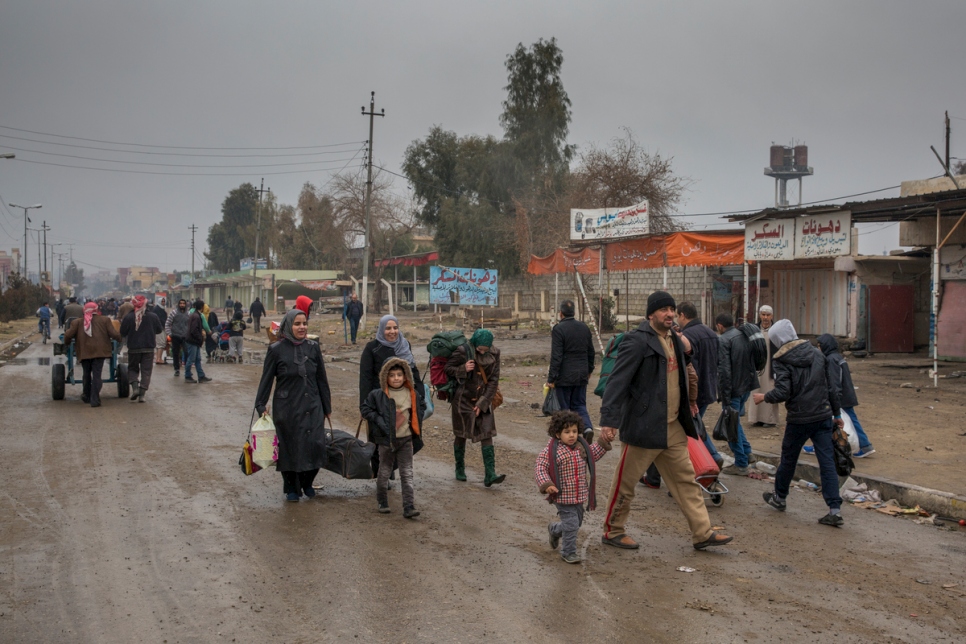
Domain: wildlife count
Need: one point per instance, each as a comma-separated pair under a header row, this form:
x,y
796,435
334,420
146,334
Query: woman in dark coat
x,y
478,376
389,343
211,340
301,402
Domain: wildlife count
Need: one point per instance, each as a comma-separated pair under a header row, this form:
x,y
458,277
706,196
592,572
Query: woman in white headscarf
x,y
764,415
389,343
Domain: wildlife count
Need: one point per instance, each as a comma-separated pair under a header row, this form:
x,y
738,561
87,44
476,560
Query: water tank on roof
x,y
777,156
801,156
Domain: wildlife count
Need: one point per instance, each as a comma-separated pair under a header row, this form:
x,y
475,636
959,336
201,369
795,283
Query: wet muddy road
x,y
132,522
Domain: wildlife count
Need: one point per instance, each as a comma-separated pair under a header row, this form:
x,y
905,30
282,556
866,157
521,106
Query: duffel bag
x,y
348,456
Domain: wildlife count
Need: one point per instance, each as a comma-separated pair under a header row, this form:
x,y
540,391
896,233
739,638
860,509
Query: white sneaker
x,y
862,453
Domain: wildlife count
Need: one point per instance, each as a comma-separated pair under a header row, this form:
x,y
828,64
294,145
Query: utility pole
x,y
26,219
947,138
192,228
45,228
365,251
258,227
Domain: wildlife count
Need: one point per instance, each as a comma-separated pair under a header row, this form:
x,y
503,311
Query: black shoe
x,y
204,379
554,539
572,558
135,395
189,379
716,539
410,512
772,499
834,520
384,507
85,399
177,373
96,404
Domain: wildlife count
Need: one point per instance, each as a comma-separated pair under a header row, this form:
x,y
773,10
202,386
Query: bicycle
x,y
43,327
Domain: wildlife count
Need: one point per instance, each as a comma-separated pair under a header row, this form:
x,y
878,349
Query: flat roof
x,y
949,202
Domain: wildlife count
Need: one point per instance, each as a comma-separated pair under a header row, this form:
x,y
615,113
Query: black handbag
x,y
348,456
700,428
726,429
842,452
551,403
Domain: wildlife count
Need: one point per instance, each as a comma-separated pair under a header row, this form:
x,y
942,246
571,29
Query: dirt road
x,y
132,522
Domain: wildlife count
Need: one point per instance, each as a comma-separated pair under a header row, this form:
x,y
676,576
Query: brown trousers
x,y
678,473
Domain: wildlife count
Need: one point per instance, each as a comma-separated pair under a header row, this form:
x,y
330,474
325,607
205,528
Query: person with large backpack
x,y
737,378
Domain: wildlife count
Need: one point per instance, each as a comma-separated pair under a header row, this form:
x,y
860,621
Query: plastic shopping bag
x,y
550,402
849,430
264,443
430,407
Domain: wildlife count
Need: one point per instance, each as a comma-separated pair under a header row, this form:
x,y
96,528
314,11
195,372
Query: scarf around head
x,y
90,310
482,338
139,303
287,332
401,346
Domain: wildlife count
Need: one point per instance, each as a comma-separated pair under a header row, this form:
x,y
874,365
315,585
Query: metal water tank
x,y
801,156
777,156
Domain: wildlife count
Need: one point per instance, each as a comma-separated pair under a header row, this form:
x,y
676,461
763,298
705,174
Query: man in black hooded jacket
x,y
802,383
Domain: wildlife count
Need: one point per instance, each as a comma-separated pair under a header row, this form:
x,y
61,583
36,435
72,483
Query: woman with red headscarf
x,y
93,333
304,304
141,328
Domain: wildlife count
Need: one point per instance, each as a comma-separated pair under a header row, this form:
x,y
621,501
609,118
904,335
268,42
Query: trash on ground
x,y
905,385
685,569
807,485
855,492
924,582
928,449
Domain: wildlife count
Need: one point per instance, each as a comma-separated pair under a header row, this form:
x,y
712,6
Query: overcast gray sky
x,y
863,84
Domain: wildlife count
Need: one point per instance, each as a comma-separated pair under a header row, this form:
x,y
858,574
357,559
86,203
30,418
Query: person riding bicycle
x,y
43,325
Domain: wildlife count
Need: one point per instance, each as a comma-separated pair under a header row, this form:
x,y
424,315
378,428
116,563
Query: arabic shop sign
x,y
823,236
770,240
609,223
466,286
801,238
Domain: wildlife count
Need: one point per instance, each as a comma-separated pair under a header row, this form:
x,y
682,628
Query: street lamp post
x,y
26,219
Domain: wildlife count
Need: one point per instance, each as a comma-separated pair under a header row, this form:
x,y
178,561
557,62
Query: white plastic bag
x,y
264,443
849,430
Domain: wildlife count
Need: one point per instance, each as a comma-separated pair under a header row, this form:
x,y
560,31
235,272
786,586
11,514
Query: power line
x,y
178,165
174,147
169,174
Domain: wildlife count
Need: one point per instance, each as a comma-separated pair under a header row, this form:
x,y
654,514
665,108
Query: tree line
x,y
488,201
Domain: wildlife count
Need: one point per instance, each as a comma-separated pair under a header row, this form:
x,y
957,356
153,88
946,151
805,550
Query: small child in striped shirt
x,y
561,472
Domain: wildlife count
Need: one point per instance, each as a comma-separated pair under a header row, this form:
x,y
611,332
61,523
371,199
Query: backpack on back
x,y
440,348
759,347
607,364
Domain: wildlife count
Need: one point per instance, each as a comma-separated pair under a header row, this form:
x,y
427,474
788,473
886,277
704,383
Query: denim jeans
x,y
571,517
192,358
353,328
741,448
707,435
820,434
863,439
575,399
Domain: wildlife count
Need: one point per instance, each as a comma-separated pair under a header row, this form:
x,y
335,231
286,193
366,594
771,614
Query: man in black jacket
x,y
647,400
572,358
802,383
140,328
257,310
840,379
353,313
737,378
176,327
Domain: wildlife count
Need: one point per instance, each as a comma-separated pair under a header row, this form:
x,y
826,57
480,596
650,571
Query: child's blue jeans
x,y
571,518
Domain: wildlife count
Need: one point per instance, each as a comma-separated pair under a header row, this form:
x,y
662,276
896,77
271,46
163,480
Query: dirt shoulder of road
x,y
16,328
918,431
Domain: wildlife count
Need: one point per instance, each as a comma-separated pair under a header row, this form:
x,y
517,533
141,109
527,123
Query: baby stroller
x,y
221,352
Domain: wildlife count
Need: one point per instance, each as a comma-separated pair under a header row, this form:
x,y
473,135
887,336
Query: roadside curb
x,y
938,502
9,343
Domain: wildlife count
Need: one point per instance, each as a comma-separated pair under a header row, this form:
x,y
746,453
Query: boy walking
x,y
840,380
562,473
395,414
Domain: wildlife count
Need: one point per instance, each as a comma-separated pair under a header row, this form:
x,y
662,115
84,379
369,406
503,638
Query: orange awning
x,y
586,261
698,249
636,254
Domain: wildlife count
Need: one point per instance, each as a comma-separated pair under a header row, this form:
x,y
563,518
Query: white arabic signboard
x,y
770,240
823,235
609,223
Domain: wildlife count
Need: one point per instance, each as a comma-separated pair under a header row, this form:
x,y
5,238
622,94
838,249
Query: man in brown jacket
x,y
93,334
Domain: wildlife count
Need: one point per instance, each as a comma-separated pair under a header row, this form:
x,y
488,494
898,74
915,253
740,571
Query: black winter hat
x,y
658,300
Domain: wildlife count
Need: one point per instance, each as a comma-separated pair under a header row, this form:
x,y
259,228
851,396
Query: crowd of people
x,y
668,372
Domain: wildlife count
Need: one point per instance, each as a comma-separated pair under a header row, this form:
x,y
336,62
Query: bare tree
x,y
626,174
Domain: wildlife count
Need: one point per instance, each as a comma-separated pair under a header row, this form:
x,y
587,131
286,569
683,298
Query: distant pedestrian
x,y
238,308
301,403
197,334
177,329
572,358
161,342
395,415
229,307
257,310
304,303
236,337
737,378
140,328
211,339
59,308
566,473
73,310
353,313
124,309
812,408
764,415
93,333
840,380
647,399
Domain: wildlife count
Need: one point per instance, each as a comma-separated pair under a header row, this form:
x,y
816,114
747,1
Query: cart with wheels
x,y
706,472
62,370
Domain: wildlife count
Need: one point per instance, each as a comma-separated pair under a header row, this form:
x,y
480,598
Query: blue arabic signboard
x,y
466,286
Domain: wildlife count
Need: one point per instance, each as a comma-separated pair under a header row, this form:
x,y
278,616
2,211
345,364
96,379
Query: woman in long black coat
x,y
301,404
389,343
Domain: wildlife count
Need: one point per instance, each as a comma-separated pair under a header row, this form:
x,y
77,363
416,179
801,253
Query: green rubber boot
x,y
459,451
489,464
